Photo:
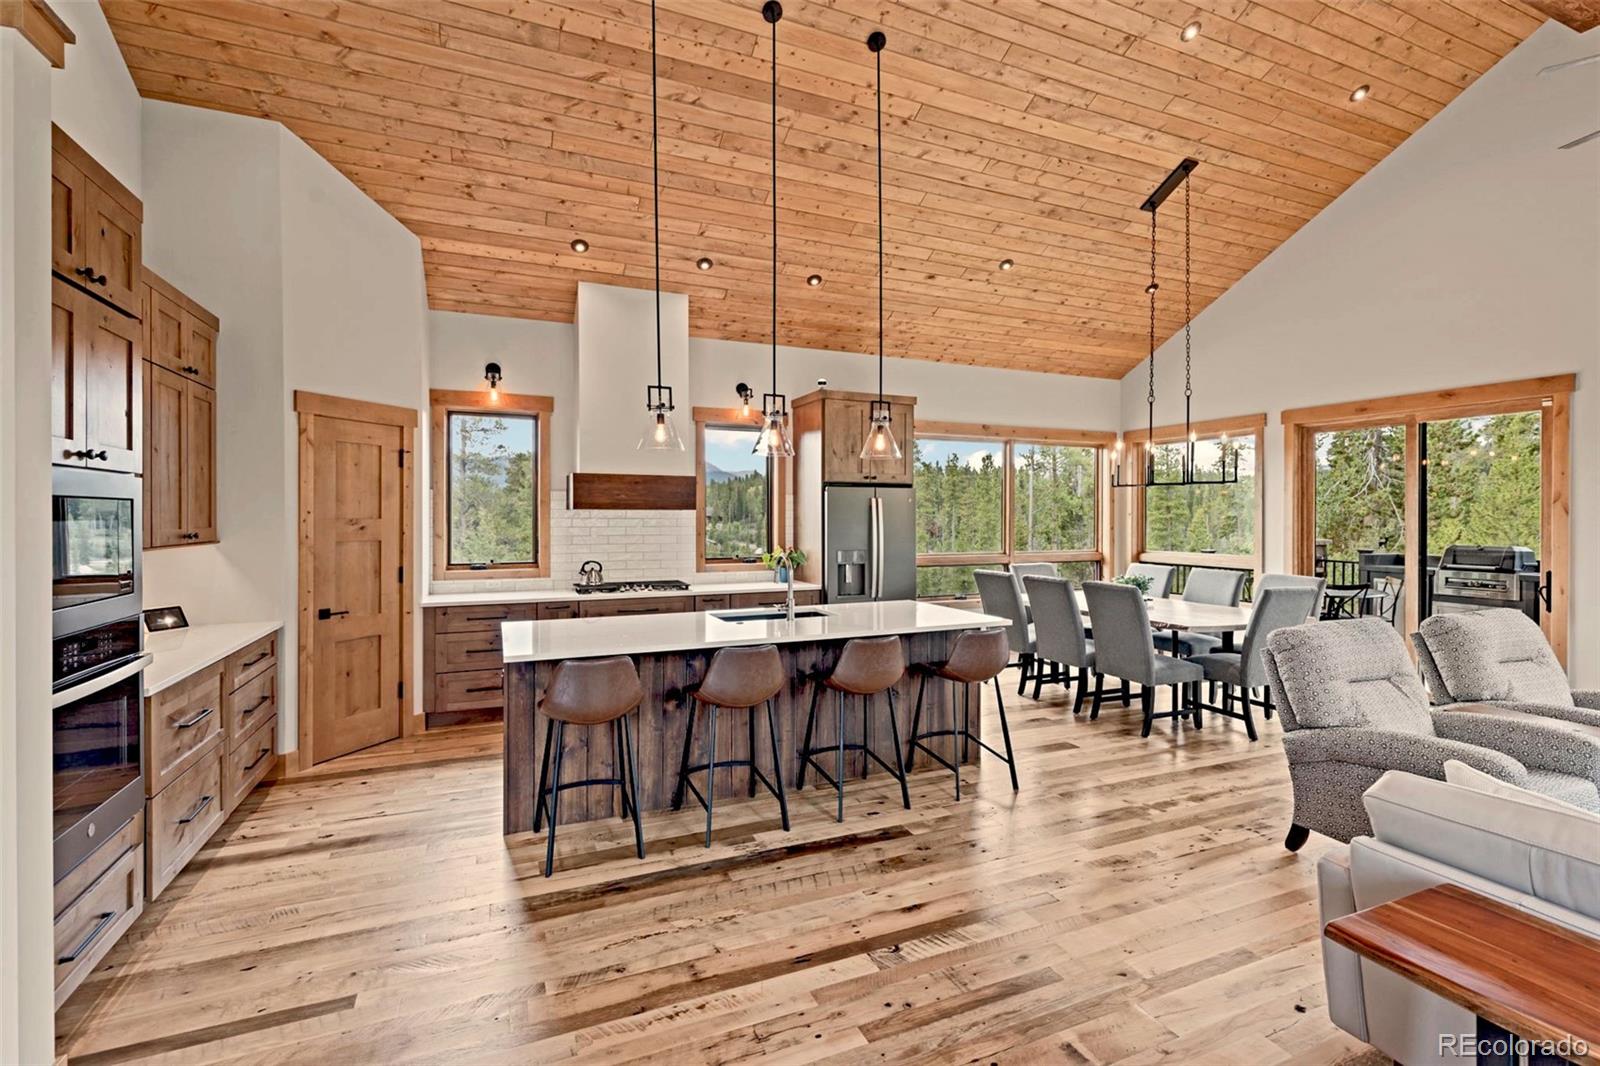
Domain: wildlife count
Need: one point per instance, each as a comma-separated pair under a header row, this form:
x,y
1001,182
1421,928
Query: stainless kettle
x,y
591,573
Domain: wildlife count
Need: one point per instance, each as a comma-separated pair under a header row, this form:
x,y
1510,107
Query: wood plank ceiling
x,y
500,130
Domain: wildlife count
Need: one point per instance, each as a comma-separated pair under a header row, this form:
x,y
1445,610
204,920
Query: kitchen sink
x,y
767,614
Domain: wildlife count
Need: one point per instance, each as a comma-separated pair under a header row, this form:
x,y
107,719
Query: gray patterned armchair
x,y
1353,707
1500,659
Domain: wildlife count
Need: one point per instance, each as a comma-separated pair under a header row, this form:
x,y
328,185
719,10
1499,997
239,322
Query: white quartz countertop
x,y
178,653
709,588
581,638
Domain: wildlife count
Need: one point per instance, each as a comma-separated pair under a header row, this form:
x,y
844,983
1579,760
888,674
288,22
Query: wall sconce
x,y
746,394
491,374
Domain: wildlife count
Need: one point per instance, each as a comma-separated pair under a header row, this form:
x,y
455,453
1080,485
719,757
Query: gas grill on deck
x,y
1474,577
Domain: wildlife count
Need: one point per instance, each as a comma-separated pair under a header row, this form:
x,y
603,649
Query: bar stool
x,y
589,692
977,656
866,667
738,679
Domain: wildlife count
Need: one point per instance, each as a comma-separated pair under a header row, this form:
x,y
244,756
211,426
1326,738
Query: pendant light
x,y
660,435
880,445
774,442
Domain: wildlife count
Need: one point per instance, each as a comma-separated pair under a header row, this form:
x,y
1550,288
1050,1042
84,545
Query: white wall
x,y
93,99
1470,255
616,361
26,1014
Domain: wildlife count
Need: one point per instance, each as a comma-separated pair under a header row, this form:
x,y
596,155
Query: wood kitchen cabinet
x,y
96,227
96,377
840,421
180,418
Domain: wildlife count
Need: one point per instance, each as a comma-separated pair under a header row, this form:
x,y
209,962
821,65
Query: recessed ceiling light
x,y
1006,264
580,245
1189,32
704,262
1150,289
1359,93
814,280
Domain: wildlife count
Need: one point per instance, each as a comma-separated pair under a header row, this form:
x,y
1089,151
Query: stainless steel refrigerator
x,y
869,543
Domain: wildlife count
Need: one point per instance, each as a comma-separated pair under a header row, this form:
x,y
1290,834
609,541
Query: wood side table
x,y
1521,975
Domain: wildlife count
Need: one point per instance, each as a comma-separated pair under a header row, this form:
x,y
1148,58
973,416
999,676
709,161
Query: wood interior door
x,y
164,450
356,544
199,462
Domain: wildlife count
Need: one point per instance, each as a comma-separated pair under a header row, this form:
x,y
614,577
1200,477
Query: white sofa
x,y
1425,832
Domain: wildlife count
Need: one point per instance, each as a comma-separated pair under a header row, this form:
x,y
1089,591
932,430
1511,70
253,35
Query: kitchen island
x,y
672,651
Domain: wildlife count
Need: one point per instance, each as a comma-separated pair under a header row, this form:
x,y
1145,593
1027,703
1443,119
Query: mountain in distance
x,y
715,473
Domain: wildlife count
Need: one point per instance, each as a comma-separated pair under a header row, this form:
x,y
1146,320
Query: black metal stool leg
x,y
777,764
805,745
683,764
544,773
1005,732
711,771
750,723
838,770
866,734
916,723
616,764
899,763
966,719
555,802
633,784
958,745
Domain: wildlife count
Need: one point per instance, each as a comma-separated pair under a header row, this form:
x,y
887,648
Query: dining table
x,y
1176,614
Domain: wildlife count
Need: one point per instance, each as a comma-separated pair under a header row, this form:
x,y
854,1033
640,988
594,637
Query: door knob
x,y
325,613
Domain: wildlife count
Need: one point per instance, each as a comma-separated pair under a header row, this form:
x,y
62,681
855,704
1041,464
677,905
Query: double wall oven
x,y
98,658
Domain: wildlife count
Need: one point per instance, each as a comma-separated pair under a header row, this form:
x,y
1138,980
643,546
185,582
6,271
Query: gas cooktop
x,y
633,586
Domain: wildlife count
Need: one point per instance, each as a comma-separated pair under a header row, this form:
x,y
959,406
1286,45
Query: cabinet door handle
x,y
485,688
84,272
191,370
262,702
99,279
205,801
491,649
258,759
83,945
101,455
252,662
190,723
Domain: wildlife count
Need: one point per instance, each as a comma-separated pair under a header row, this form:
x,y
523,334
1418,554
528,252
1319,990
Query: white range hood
x,y
616,360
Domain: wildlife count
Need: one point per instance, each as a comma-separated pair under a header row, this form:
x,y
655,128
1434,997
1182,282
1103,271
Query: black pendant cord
x,y
1150,396
1188,343
655,181
774,22
878,53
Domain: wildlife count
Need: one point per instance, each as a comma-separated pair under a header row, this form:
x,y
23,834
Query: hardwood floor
x,y
1133,904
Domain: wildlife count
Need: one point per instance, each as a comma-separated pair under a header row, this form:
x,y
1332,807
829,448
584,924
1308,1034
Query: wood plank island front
x,y
672,652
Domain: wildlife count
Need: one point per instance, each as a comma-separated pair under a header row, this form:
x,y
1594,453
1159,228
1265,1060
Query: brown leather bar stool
x,y
977,656
589,692
738,679
866,667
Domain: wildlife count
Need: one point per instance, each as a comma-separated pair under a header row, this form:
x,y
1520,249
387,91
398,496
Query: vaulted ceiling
x,y
499,131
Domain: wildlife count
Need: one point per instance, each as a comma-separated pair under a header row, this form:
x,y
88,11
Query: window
x,y
1219,519
491,485
994,497
737,487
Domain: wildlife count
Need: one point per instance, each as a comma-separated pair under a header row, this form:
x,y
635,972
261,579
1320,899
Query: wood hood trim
x,y
631,492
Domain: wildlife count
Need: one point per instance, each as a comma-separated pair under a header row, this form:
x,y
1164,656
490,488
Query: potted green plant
x,y
1138,581
784,563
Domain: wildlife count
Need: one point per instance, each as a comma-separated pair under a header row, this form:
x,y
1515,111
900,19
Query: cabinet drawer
x,y
486,617
91,869
473,650
182,818
92,923
184,722
653,605
469,690
248,762
249,705
713,603
561,609
249,663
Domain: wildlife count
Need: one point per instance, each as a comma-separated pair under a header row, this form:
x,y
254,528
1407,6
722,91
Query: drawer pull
x,y
83,945
490,650
190,723
262,702
257,659
485,688
485,618
258,759
205,801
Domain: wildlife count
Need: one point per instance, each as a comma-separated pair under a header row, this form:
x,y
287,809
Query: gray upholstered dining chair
x,y
1160,577
1499,659
1241,672
1027,570
1353,708
1058,635
1207,585
1001,594
1124,649
1294,581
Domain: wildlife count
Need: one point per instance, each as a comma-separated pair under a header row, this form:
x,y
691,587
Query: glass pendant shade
x,y
880,443
774,442
660,435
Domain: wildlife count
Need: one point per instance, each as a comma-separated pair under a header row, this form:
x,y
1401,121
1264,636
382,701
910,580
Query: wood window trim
x,y
1008,437
308,405
1254,426
778,488
444,402
1550,395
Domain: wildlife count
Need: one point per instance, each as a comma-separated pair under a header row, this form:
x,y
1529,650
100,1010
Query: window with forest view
x,y
738,495
1218,519
1361,491
491,470
959,492
1484,481
1053,494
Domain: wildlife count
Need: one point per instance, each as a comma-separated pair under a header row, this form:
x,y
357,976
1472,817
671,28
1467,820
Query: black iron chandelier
x,y
1189,473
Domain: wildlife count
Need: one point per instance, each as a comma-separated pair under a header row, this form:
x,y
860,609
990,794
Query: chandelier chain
x,y
1150,397
1188,344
